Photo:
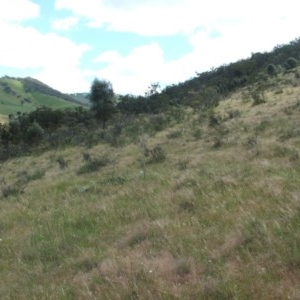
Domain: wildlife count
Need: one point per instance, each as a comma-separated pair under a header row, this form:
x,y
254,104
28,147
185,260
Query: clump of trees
x,y
101,98
44,129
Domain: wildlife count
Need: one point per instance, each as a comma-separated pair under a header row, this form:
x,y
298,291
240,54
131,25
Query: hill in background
x,y
27,94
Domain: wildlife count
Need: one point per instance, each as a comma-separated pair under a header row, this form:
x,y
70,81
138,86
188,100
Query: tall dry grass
x,y
218,218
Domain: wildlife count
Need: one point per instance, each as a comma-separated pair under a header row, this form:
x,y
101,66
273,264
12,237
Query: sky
x,y
133,43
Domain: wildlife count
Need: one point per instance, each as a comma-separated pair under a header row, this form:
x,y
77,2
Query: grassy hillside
x,y
213,214
26,94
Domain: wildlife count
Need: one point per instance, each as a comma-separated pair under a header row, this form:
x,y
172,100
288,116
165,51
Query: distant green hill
x,y
26,94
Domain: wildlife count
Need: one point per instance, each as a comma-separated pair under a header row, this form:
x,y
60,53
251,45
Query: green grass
x,y
13,102
204,223
51,101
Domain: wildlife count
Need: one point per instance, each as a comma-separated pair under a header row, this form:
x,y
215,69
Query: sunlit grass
x,y
207,222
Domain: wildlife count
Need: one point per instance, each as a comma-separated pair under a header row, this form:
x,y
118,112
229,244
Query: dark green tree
x,y
101,99
291,63
34,133
271,69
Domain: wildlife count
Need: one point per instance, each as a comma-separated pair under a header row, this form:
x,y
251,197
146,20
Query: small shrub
x,y
157,154
8,190
34,133
86,156
251,142
271,69
15,189
62,162
258,98
213,120
233,113
187,206
217,143
291,63
174,134
137,238
94,165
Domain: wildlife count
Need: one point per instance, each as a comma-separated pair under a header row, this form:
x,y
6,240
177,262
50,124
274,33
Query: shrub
x,y
62,162
217,143
34,133
258,98
174,134
251,141
233,113
213,120
86,156
8,190
291,63
271,69
13,189
94,164
157,154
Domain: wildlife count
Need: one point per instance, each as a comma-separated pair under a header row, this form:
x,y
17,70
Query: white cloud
x,y
65,24
66,80
29,48
159,18
213,45
218,31
54,56
134,72
20,10
140,17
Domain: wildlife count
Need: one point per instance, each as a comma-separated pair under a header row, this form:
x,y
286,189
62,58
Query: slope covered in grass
x,y
214,213
27,94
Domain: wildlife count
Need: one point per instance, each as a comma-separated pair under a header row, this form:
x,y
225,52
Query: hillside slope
x,y
213,213
26,94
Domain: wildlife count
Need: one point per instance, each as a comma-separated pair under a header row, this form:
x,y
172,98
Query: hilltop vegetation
x,y
198,199
208,88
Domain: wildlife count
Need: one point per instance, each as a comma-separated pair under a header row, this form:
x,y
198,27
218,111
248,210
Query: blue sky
x,y
133,43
